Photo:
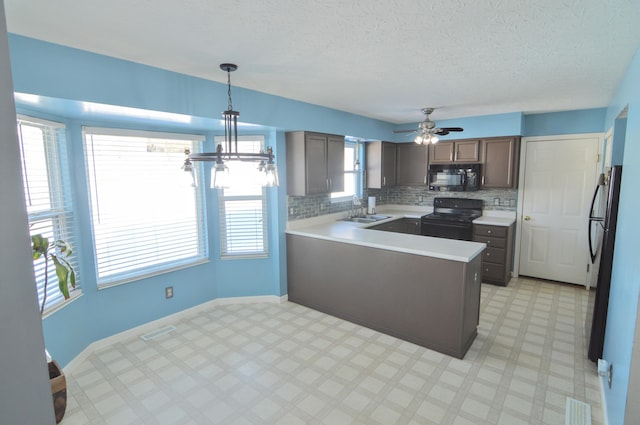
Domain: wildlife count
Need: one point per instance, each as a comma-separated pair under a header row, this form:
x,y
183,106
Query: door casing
x,y
521,184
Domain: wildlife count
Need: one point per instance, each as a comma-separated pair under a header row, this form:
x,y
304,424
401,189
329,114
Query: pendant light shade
x,y
220,178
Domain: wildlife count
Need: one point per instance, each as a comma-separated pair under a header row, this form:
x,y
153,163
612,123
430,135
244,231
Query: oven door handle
x,y
440,224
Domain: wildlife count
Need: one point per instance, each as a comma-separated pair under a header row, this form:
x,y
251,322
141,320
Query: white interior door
x,y
557,184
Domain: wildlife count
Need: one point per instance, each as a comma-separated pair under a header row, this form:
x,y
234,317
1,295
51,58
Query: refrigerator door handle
x,y
593,253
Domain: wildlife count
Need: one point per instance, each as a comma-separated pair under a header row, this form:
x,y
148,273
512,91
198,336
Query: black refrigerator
x,y
596,322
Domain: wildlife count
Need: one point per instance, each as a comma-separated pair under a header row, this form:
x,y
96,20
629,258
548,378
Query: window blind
x,y
243,207
45,176
146,218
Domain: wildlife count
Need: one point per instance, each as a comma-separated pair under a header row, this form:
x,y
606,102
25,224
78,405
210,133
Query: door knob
x,y
527,218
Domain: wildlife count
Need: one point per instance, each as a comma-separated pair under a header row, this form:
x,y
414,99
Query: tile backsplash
x,y
301,207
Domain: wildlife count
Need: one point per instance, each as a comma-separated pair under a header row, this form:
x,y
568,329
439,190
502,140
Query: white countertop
x,y
331,228
496,218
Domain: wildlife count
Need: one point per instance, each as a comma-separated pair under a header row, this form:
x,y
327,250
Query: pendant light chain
x,y
229,88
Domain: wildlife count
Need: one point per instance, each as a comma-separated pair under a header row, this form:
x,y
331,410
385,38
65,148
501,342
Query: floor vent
x,y
158,332
578,413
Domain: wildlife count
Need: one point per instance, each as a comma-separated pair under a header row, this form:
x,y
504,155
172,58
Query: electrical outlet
x,y
168,292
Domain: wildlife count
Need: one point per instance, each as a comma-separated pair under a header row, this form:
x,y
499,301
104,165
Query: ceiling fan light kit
x,y
427,131
425,139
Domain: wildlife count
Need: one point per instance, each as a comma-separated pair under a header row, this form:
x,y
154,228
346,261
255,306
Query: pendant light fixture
x,y
227,151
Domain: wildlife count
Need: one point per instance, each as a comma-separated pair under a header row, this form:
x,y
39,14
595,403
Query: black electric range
x,y
452,218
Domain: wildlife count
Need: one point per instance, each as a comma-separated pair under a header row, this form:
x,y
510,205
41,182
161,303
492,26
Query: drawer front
x,y
494,231
491,241
493,255
492,272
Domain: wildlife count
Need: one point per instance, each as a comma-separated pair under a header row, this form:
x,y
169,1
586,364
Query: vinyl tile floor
x,y
253,364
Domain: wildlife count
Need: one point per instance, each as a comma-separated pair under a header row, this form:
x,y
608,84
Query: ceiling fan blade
x,y
441,131
453,128
404,131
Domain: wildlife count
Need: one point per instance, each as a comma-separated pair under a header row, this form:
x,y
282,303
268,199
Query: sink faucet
x,y
356,206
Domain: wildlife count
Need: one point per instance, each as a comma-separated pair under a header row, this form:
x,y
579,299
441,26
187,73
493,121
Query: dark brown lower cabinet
x,y
497,257
429,301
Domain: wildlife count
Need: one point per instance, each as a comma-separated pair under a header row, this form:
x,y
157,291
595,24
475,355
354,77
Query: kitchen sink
x,y
369,218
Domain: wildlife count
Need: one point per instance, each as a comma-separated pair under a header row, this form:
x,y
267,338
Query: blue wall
x,y
567,122
80,76
474,127
71,76
519,124
625,281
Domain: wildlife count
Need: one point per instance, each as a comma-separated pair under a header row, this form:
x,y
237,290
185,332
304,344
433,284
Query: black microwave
x,y
454,177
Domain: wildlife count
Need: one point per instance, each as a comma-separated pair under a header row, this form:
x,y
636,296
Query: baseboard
x,y
154,324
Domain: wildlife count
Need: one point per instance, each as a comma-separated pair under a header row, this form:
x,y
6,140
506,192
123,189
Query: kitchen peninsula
x,y
421,289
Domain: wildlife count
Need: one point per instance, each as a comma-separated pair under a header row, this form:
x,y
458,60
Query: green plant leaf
x,y
72,273
39,246
63,247
72,278
63,274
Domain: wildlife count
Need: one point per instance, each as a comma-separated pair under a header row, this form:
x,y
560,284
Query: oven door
x,y
460,231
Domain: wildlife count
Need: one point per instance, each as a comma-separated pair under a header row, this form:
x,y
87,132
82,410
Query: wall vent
x,y
158,332
578,413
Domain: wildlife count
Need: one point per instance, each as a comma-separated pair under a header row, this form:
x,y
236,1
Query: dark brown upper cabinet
x,y
315,163
454,151
381,164
412,164
500,163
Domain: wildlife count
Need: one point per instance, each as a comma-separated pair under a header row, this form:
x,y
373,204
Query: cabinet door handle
x,y
328,185
483,180
384,181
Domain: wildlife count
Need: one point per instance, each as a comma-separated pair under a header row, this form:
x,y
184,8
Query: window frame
x,y
225,252
194,142
337,197
60,210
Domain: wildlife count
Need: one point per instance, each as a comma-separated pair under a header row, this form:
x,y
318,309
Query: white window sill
x,y
136,278
244,256
74,295
347,198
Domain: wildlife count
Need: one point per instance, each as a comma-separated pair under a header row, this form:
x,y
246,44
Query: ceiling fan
x,y
427,130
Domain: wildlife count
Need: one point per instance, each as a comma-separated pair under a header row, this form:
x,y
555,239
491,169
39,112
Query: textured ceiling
x,y
383,59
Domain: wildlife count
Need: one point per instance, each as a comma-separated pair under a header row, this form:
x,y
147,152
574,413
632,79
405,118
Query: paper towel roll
x,y
371,205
